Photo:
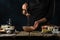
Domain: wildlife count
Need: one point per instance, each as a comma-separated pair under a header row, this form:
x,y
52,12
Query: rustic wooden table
x,y
29,36
34,33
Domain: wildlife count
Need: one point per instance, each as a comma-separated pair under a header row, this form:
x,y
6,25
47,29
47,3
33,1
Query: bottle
x,y
9,21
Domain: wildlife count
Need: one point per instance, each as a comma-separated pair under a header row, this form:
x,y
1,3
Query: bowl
x,y
28,28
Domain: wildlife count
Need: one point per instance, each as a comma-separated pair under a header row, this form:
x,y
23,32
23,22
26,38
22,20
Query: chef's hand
x,y
24,6
36,23
24,9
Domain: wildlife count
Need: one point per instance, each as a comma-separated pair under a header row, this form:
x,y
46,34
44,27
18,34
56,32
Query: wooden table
x,y
21,35
34,33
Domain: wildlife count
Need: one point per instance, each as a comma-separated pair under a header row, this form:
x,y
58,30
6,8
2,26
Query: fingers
x,y
36,24
24,6
27,14
24,12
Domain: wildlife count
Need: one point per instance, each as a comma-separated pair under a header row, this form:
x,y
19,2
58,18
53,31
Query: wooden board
x,y
23,33
34,33
37,33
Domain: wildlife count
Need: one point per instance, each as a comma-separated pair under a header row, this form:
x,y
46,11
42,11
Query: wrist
x,y
42,20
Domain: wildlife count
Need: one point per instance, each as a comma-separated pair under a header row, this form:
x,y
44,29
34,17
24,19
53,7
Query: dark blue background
x,y
12,9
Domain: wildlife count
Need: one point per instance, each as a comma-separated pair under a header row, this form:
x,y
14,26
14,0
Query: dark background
x,y
12,9
56,18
